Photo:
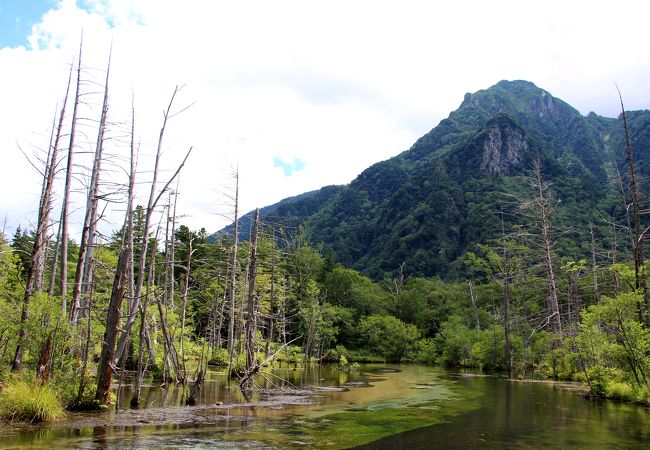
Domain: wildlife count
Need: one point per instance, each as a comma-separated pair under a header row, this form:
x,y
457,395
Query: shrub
x,y
291,354
597,380
489,348
388,336
362,356
219,357
156,370
69,393
643,397
427,351
620,391
455,343
29,402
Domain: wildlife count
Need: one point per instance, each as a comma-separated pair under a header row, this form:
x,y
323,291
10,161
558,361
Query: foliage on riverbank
x,y
26,401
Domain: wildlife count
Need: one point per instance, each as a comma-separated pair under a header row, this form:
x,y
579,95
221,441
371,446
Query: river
x,y
376,407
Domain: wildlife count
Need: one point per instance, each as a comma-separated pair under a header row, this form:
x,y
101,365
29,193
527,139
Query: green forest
x,y
291,302
441,257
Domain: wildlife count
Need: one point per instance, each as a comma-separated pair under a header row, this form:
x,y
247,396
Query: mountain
x,y
289,212
427,206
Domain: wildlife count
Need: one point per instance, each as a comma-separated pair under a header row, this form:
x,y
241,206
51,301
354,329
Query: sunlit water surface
x,y
377,406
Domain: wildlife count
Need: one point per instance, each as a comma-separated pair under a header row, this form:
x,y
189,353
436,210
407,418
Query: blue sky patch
x,y
289,167
17,18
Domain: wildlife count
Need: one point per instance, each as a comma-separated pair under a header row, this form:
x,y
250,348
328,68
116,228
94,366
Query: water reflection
x,y
531,415
321,406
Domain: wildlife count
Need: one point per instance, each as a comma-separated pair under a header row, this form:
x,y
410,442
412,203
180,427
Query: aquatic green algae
x,y
421,403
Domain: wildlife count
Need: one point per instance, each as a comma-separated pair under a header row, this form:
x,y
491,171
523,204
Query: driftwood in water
x,y
196,388
244,382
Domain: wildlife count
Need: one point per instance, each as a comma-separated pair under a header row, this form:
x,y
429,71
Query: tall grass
x,y
29,402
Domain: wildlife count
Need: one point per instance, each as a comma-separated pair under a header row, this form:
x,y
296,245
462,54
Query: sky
x,y
296,95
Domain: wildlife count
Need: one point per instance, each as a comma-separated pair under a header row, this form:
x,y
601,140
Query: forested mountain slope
x,y
427,206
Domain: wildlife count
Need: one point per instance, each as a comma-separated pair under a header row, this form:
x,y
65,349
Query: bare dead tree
x,y
186,291
272,306
87,242
243,382
251,324
508,272
172,260
86,348
473,299
55,263
594,263
233,278
63,284
105,366
141,367
398,282
121,285
168,285
151,205
36,268
240,324
543,207
45,205
638,233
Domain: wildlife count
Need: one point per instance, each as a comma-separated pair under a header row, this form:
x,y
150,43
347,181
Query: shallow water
x,y
379,406
522,415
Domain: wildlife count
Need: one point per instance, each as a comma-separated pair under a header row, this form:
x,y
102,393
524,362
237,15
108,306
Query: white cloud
x,y
337,84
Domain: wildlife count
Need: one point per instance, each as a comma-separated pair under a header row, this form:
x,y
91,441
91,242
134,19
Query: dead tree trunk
x,y
639,276
36,267
86,349
506,314
233,278
153,201
471,296
170,350
543,208
66,191
87,242
172,266
45,203
243,383
55,263
594,264
186,291
251,324
43,369
272,308
121,284
105,366
141,367
240,321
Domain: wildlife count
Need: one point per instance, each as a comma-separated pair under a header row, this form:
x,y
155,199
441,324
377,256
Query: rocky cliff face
x,y
544,106
504,149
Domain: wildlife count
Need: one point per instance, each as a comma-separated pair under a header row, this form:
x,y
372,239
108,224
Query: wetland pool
x,y
380,406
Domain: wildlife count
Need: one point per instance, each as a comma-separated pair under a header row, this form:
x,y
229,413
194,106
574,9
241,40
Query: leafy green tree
x,y
455,342
388,336
627,341
22,245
